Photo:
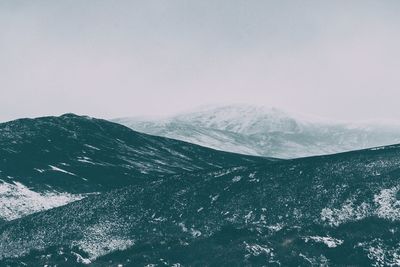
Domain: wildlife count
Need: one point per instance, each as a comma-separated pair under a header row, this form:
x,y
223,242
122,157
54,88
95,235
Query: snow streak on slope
x,y
17,200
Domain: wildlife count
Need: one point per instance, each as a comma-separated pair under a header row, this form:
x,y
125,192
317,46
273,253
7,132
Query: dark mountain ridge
x,y
88,153
51,161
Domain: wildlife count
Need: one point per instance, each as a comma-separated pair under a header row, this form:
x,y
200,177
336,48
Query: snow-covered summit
x,y
242,119
265,131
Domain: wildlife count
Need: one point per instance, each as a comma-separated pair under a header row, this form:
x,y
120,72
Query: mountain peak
x,y
242,119
265,131
73,115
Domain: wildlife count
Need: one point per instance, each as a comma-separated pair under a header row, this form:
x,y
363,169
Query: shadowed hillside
x,y
51,161
331,210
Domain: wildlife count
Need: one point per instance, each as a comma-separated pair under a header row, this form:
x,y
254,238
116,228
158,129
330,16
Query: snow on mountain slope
x,y
17,200
51,161
266,131
242,119
336,210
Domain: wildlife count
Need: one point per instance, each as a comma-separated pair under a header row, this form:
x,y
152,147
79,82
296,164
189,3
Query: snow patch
x,y
80,259
195,233
183,227
348,212
381,254
102,238
275,228
257,250
236,179
17,200
384,205
327,240
388,205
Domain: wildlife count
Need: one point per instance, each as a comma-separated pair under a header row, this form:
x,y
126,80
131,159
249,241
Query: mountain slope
x,y
266,132
331,210
50,161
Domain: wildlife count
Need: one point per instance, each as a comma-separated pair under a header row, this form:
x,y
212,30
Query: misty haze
x,y
199,133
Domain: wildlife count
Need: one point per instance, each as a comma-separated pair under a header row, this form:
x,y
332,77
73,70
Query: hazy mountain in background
x,y
336,210
51,161
267,131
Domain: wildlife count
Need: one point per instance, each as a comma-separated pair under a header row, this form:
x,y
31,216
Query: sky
x,y
335,59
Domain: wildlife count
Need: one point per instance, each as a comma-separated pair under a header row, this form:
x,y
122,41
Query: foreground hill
x,y
50,161
266,132
334,210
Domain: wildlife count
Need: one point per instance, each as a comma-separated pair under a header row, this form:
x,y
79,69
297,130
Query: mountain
x,y
336,210
51,161
266,132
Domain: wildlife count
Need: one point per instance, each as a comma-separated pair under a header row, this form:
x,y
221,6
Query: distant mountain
x,y
266,131
51,161
336,210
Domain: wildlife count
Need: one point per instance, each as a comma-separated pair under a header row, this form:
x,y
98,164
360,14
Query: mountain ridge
x,y
61,159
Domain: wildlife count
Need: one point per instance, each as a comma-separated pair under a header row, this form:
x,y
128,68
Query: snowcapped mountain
x,y
266,132
51,161
336,210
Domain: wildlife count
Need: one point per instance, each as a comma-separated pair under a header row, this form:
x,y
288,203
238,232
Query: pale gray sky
x,y
336,59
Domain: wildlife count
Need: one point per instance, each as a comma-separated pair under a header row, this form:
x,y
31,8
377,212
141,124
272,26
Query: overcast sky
x,y
336,59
